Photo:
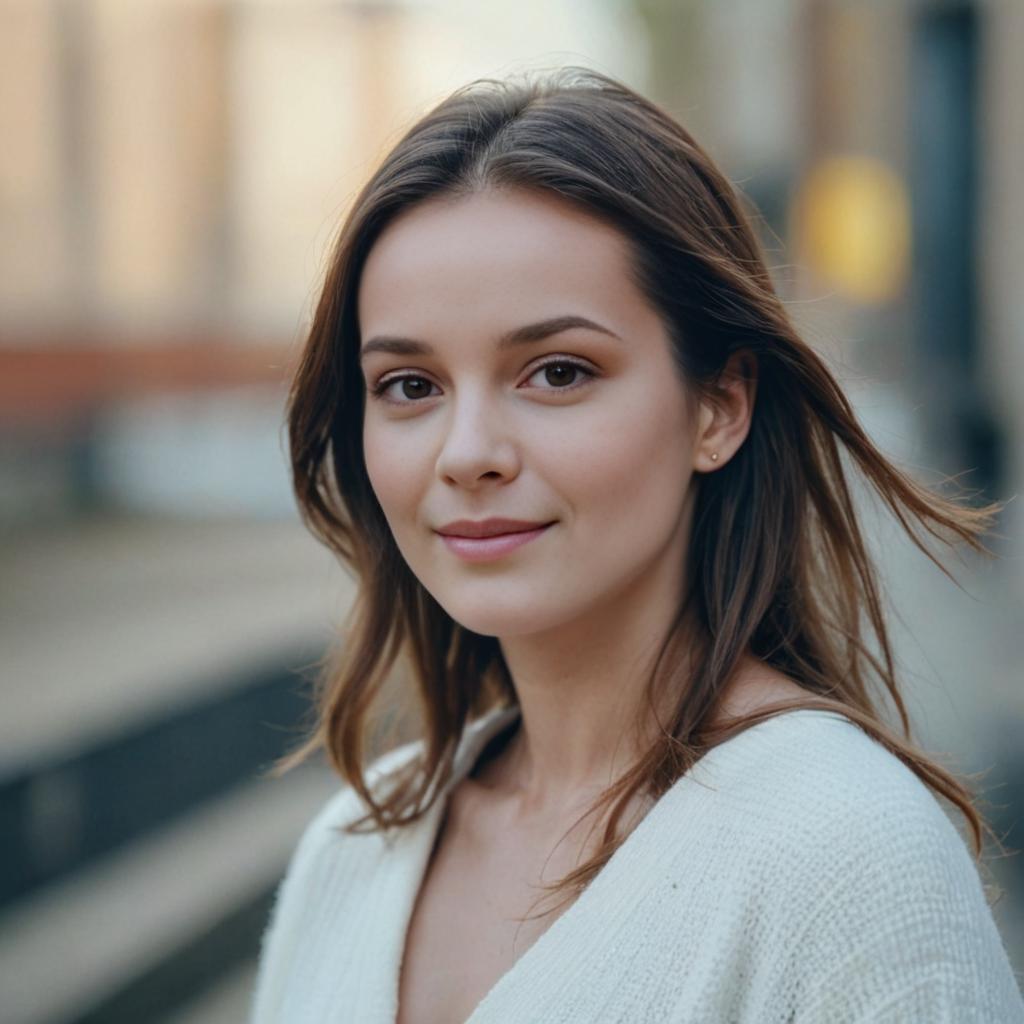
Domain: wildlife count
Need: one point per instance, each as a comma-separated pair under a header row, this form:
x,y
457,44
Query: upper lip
x,y
487,527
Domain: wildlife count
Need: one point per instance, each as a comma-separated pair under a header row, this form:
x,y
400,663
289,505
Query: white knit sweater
x,y
798,873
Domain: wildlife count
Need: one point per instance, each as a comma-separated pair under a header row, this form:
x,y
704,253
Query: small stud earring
x,y
714,456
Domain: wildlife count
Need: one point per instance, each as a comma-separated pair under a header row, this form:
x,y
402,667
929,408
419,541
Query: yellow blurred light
x,y
852,227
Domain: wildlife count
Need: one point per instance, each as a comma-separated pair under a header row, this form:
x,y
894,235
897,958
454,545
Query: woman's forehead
x,y
492,255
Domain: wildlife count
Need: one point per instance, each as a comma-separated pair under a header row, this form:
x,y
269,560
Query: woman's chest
x,y
465,934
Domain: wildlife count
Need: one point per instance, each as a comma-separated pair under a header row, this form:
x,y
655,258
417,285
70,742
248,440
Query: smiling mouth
x,y
485,549
493,527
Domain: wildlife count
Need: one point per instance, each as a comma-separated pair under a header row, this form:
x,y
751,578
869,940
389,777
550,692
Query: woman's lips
x,y
485,549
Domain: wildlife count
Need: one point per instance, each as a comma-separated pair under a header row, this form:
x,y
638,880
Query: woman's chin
x,y
501,622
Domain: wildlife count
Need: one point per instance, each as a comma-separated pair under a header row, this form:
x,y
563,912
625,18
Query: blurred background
x,y
171,175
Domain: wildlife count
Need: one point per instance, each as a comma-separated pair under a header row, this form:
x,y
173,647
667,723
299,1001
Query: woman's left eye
x,y
561,373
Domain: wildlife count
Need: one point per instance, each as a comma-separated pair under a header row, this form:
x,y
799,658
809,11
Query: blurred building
x,y
883,144
174,175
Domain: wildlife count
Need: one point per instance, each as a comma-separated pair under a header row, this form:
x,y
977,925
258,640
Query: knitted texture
x,y
799,873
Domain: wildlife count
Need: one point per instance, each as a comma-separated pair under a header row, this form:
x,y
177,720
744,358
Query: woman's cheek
x,y
392,466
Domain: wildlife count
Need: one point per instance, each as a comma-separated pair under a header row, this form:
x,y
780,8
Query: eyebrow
x,y
524,335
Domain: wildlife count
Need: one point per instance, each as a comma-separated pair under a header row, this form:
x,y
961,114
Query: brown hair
x,y
778,563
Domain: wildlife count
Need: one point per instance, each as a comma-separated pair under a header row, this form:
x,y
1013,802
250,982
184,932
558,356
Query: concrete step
x,y
116,623
228,1002
59,817
74,945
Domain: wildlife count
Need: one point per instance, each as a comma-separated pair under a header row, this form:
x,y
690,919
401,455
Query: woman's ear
x,y
725,414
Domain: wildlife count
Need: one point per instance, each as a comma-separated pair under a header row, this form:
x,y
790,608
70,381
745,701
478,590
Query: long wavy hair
x,y
777,563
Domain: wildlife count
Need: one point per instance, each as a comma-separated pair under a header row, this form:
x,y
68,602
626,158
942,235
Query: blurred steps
x,y
228,1002
60,816
146,666
114,623
152,671
119,940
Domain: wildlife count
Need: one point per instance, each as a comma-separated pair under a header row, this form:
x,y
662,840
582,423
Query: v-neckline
x,y
473,741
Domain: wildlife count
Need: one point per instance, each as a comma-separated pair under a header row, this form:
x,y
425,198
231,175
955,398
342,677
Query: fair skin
x,y
610,451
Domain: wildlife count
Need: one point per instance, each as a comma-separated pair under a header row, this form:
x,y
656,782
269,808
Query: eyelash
x,y
378,390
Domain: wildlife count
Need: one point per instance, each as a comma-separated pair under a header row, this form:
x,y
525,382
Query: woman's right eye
x,y
413,389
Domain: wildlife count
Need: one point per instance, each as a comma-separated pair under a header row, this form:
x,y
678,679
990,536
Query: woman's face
x,y
482,414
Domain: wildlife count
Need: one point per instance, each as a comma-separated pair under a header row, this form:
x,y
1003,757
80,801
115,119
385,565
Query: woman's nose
x,y
477,444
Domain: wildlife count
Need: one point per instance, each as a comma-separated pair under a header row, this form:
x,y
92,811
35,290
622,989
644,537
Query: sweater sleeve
x,y
903,931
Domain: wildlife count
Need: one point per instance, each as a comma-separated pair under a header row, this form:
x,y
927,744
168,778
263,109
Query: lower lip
x,y
484,549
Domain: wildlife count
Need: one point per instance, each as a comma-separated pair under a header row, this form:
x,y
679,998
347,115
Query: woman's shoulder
x,y
816,762
344,805
812,752
327,854
891,906
329,864
820,802
856,830
833,832
820,774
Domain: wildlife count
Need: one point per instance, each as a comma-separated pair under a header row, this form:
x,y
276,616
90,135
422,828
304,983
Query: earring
x,y
714,456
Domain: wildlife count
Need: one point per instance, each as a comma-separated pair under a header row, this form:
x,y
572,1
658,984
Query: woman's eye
x,y
562,374
413,389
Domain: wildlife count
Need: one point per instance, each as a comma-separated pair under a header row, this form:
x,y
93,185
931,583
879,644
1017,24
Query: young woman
x,y
553,415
